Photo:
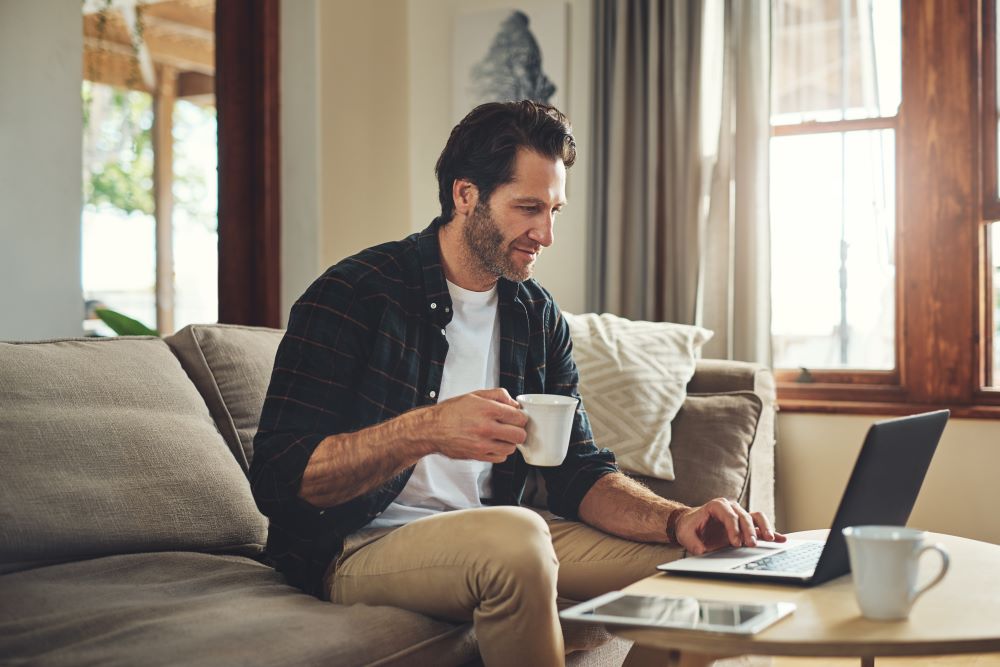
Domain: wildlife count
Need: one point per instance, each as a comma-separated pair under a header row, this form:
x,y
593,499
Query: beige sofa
x,y
128,534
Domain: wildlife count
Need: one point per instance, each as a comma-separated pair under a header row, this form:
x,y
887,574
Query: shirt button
x,y
432,393
322,512
443,333
433,306
447,309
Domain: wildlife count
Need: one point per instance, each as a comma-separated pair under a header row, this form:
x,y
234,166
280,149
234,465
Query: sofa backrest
x,y
108,448
231,367
711,445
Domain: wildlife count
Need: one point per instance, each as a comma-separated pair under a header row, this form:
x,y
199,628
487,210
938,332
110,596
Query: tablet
x,y
686,613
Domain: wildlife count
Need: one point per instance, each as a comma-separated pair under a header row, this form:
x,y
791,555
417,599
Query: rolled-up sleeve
x,y
585,463
308,397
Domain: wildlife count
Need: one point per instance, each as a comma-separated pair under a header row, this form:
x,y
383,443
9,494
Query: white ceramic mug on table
x,y
884,565
550,422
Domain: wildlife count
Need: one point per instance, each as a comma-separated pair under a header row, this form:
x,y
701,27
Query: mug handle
x,y
945,563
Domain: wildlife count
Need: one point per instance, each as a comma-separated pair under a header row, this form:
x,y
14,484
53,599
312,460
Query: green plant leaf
x,y
123,325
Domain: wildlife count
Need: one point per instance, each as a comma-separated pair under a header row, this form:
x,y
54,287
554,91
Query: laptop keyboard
x,y
801,558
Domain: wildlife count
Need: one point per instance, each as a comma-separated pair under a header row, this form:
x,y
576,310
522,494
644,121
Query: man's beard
x,y
486,245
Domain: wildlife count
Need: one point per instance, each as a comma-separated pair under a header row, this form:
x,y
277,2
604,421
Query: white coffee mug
x,y
550,421
884,565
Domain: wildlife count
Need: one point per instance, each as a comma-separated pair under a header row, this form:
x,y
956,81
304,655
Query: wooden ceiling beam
x,y
169,26
194,83
186,55
196,87
113,68
184,13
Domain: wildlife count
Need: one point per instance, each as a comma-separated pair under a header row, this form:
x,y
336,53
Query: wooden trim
x,y
990,112
247,91
163,195
943,298
834,394
984,314
988,396
939,206
836,376
888,409
855,125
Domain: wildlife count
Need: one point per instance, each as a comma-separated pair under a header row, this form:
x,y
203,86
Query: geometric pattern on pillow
x,y
633,379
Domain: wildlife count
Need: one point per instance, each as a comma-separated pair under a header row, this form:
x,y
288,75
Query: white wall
x,y
359,147
301,146
815,454
365,132
41,182
345,124
561,268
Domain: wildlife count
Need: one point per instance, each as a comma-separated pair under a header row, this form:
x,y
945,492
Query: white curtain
x,y
679,216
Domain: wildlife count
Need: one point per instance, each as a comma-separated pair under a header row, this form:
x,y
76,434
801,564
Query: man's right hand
x,y
484,425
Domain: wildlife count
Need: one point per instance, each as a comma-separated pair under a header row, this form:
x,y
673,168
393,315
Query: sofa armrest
x,y
714,376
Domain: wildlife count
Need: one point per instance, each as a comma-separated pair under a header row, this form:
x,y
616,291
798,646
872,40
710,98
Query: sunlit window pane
x,y
196,237
835,60
119,238
832,255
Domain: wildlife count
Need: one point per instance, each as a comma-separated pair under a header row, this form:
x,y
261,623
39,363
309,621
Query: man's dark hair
x,y
483,147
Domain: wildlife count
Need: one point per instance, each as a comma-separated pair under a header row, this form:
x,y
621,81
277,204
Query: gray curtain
x,y
678,227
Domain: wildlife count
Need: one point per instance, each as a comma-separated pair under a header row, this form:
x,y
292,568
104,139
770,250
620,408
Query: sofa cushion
x,y
183,608
633,379
711,448
108,448
231,367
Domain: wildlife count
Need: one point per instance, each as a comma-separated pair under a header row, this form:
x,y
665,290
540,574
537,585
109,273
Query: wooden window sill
x,y
846,407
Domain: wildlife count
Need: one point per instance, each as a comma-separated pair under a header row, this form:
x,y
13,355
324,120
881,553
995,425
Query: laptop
x,y
881,491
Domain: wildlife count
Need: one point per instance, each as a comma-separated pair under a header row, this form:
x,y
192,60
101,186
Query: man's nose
x,y
543,233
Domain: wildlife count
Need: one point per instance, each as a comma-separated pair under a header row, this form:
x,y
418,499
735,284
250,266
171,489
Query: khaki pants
x,y
501,567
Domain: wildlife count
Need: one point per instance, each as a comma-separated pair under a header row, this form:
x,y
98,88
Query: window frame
x,y
943,312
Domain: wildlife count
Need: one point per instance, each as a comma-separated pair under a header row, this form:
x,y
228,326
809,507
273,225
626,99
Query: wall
x,y
301,164
815,454
41,187
561,268
345,134
364,108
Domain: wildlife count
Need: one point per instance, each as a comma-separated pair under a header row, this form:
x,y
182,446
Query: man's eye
x,y
531,209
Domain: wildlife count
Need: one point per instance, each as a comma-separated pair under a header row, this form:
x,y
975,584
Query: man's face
x,y
506,234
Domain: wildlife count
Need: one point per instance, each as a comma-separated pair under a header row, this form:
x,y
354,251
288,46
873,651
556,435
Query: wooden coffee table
x,y
960,615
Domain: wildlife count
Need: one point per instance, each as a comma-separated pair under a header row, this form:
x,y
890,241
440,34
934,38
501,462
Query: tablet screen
x,y
680,612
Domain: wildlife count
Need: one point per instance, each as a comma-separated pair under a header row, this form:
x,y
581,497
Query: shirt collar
x,y
435,287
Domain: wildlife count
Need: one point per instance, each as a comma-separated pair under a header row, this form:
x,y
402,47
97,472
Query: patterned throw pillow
x,y
633,380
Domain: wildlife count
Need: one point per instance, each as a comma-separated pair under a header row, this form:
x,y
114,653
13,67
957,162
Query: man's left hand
x,y
723,523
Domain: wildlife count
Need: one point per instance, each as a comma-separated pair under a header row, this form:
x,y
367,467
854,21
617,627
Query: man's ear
x,y
465,195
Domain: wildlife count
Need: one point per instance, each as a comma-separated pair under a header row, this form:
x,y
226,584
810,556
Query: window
x,y
991,191
835,97
150,239
882,265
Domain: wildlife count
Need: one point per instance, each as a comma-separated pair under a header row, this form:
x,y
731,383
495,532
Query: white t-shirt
x,y
438,483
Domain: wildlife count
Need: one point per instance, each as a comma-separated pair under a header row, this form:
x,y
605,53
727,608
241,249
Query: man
x,y
386,455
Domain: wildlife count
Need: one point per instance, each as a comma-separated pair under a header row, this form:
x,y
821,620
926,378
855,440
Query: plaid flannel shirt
x,y
365,344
